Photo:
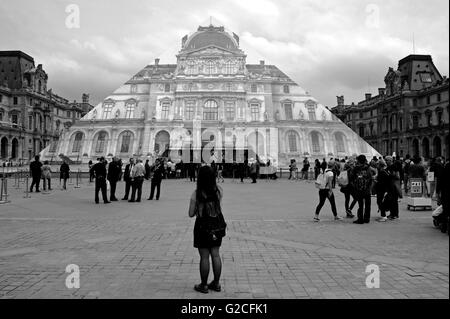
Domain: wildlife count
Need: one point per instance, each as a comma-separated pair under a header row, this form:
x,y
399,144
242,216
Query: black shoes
x,y
124,198
149,198
360,222
107,202
131,201
201,288
114,199
214,286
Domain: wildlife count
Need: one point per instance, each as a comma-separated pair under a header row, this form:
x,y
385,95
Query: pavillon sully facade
x,y
210,97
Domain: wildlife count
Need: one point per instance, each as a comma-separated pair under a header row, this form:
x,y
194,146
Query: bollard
x,y
4,191
27,185
78,179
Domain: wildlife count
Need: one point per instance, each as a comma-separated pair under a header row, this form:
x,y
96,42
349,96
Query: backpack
x,y
343,179
362,181
321,181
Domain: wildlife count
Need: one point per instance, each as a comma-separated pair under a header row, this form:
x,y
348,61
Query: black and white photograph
x,y
219,158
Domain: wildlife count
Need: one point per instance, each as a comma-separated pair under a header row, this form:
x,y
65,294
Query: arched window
x,y
77,142
129,110
340,144
254,109
292,141
126,142
191,67
210,111
101,141
165,110
315,142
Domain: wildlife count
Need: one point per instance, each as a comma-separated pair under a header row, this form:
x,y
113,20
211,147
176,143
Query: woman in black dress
x,y
205,204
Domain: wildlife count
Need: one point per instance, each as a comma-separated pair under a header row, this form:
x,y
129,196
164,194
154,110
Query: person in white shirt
x,y
327,192
137,178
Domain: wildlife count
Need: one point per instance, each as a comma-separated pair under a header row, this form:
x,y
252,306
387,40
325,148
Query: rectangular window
x,y
415,121
428,100
129,111
1,98
15,100
255,111
312,113
1,116
254,88
166,87
229,111
288,111
68,114
439,118
107,108
133,88
30,122
189,110
439,97
286,88
425,77
165,110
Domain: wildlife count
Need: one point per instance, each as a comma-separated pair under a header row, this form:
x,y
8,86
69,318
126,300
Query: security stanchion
x,y
4,191
70,178
27,185
77,185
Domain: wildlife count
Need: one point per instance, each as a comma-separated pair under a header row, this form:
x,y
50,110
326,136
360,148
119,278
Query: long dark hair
x,y
207,190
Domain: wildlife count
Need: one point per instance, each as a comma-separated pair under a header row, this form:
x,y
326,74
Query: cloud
x,y
326,46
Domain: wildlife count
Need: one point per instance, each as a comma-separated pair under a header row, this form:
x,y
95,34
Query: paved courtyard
x,y
273,249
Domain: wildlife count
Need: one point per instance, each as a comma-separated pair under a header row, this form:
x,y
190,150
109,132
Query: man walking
x,y
361,181
158,173
137,178
127,178
99,172
36,173
114,171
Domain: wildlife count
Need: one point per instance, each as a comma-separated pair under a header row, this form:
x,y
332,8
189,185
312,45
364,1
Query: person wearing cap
x,y
361,181
99,172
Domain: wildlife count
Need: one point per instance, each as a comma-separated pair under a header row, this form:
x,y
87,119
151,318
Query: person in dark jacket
x,y
347,190
394,177
443,193
147,169
158,173
127,178
36,173
114,171
383,189
99,171
361,181
64,173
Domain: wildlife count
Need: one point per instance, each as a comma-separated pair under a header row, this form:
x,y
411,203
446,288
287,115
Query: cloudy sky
x,y
329,47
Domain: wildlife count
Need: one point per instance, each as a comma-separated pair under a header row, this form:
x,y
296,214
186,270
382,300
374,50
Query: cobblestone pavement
x,y
272,248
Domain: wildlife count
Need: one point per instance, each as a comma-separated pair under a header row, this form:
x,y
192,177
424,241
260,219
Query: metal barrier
x,y
78,179
4,191
27,185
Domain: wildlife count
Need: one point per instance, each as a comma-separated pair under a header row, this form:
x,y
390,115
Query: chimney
x,y
85,98
340,100
381,91
157,61
368,96
261,62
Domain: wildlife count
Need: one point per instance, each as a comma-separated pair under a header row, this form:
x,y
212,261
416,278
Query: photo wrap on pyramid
x,y
210,106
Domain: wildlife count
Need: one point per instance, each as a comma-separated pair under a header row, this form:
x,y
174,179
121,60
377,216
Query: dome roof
x,y
206,36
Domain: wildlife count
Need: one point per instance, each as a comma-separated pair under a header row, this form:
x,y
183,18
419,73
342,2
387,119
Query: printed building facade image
x,y
211,97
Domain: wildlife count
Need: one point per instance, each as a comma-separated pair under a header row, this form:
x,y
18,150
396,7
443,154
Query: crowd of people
x,y
43,171
386,178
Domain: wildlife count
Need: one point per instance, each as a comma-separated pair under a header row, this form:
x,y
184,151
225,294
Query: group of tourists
x,y
383,177
43,171
134,175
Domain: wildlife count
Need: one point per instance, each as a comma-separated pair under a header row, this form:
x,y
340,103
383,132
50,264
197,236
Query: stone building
x,y
211,102
410,115
31,116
